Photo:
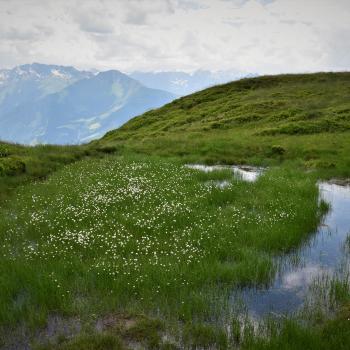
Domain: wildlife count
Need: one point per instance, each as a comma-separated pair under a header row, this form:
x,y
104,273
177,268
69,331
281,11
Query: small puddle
x,y
322,255
246,173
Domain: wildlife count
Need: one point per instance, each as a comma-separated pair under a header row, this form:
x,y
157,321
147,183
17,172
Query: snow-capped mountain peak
x,y
60,74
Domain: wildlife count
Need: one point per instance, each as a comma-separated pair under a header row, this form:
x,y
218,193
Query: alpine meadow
x,y
127,245
187,186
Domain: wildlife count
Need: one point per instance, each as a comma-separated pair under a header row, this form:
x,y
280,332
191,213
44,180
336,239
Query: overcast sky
x,y
258,36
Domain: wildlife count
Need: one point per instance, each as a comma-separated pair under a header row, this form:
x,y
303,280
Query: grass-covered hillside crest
x,y
263,120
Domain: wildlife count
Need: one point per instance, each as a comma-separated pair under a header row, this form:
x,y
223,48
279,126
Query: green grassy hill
x,y
304,118
121,250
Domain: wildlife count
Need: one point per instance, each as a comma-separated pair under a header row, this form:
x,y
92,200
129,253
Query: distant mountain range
x,y
30,82
181,83
61,105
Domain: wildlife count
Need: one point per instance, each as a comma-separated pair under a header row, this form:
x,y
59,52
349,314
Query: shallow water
x,y
321,255
246,173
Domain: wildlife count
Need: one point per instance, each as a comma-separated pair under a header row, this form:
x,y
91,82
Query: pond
x,y
322,255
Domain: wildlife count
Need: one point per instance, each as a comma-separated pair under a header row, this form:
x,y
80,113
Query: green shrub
x,y
4,151
107,149
11,166
278,150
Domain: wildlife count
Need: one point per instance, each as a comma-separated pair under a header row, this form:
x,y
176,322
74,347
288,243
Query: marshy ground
x,y
147,236
117,244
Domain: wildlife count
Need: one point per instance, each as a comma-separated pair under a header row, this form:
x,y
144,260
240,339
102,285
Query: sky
x,y
252,36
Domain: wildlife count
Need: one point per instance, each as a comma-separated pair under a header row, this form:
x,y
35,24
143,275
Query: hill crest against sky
x,y
252,120
61,105
56,104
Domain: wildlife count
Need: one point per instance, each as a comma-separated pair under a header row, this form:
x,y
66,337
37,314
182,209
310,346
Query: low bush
x,y
278,150
11,166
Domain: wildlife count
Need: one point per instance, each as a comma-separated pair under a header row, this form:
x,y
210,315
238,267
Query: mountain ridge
x,y
30,82
80,111
33,96
182,83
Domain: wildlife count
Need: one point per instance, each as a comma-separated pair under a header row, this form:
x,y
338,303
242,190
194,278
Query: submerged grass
x,y
333,334
86,342
142,234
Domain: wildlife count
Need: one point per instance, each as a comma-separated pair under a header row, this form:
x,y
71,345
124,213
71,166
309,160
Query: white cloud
x,y
92,22
263,36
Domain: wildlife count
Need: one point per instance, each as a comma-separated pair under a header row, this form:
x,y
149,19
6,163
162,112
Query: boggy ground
x,y
138,235
143,235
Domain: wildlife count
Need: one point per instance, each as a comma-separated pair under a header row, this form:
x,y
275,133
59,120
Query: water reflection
x,y
246,173
321,256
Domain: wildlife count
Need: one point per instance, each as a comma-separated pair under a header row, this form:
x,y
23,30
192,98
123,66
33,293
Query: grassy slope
x,y
304,119
22,164
300,118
